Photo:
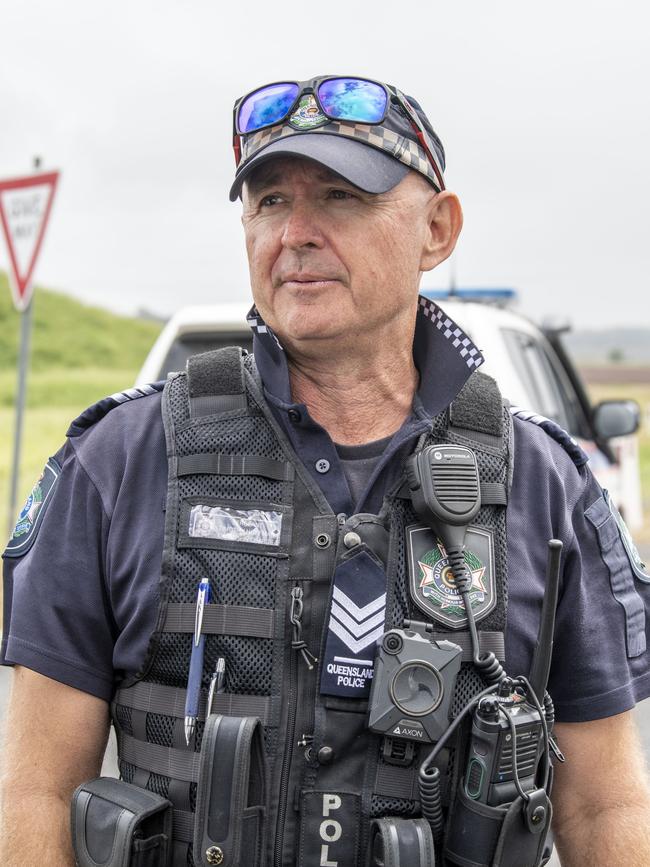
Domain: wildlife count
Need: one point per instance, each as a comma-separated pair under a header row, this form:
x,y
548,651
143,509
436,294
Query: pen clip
x,y
216,683
203,597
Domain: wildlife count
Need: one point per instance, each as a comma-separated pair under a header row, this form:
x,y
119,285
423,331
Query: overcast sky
x,y
543,109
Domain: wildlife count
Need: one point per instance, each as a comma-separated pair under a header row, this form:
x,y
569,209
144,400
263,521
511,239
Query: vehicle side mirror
x,y
616,418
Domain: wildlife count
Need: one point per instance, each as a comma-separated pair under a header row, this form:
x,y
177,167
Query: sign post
x,y
25,205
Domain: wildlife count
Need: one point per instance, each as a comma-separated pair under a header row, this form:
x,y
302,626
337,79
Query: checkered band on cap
x,y
452,332
408,152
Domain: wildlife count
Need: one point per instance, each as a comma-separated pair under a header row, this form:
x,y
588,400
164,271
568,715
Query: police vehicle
x,y
530,363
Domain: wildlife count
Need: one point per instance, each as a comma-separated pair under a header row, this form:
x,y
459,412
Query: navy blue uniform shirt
x,y
81,595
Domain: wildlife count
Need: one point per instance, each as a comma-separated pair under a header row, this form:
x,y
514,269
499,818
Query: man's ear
x,y
445,220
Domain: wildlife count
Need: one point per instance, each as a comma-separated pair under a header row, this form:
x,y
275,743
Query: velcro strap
x,y
170,701
235,465
177,764
478,406
489,642
393,781
492,493
221,620
216,381
212,404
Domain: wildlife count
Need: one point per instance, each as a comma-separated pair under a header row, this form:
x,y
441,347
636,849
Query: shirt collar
x,y
444,356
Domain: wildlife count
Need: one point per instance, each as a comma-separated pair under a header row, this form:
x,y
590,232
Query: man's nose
x,y
302,227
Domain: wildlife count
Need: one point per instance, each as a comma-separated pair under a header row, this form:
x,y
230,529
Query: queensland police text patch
x,y
356,623
31,515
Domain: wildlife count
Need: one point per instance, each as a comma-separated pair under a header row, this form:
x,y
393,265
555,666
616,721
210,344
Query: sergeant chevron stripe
x,y
360,627
355,624
356,612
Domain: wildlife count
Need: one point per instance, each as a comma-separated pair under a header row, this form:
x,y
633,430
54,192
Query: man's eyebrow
x,y
264,176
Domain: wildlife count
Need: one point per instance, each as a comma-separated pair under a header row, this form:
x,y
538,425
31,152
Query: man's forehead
x,y
279,169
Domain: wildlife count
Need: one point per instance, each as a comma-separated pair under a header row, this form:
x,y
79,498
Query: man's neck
x,y
356,396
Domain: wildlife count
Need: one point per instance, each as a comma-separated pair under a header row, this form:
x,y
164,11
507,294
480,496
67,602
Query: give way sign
x,y
25,205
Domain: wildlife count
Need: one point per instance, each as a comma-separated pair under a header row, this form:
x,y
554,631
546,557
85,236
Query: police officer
x,y
344,206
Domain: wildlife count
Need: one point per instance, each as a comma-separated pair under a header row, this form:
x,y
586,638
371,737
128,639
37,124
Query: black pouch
x,y
116,824
396,842
229,821
510,836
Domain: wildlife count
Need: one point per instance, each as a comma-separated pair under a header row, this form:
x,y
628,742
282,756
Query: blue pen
x,y
193,693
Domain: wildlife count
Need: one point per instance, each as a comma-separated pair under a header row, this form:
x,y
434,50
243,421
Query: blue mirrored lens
x,y
353,99
266,106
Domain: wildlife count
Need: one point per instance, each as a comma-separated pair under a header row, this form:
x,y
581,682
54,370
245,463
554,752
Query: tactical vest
x,y
225,448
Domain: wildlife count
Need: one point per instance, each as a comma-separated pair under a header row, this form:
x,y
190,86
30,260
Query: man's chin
x,y
309,320
310,326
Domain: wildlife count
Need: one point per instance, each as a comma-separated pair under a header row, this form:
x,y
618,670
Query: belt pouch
x,y
509,836
116,824
229,820
396,842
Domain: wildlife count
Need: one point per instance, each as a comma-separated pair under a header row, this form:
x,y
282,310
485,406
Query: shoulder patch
x,y
639,568
553,429
31,515
98,410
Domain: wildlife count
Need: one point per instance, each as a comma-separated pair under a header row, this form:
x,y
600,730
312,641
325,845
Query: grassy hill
x,y
78,352
68,333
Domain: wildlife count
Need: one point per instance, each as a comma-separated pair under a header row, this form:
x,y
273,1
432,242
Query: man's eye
x,y
340,194
271,199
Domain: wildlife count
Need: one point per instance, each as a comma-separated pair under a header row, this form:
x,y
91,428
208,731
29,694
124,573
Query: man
x,y
283,486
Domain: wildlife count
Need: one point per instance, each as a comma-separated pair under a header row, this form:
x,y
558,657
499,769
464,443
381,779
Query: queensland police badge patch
x,y
431,581
32,512
308,115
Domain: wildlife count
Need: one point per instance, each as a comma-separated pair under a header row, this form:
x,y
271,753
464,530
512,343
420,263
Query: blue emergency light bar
x,y
486,295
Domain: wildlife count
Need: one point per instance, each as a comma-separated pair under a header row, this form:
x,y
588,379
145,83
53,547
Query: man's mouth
x,y
308,280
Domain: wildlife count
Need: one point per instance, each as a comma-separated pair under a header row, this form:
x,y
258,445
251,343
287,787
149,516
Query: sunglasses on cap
x,y
357,100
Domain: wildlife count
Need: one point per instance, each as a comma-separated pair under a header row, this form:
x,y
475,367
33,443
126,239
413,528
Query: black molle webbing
x,y
216,381
478,406
170,701
221,620
178,764
235,465
183,825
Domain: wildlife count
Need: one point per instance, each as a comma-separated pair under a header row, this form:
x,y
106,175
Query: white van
x,y
530,364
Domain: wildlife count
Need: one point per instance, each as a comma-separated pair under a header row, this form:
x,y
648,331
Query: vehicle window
x,y
191,344
540,379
